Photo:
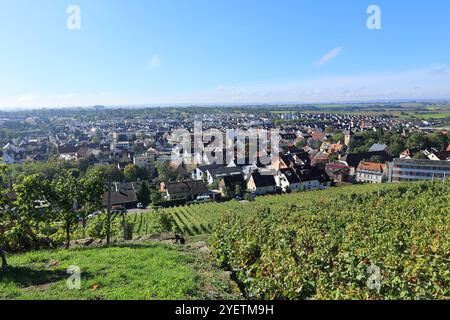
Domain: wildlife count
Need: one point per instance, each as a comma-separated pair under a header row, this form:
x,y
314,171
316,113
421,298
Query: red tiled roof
x,y
371,166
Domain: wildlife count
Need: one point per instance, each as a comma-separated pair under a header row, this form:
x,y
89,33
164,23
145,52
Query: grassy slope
x,y
129,271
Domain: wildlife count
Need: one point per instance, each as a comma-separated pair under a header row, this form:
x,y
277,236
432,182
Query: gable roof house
x,y
379,147
261,183
313,178
6,158
335,148
287,179
211,173
320,157
229,184
283,162
121,195
408,153
338,172
353,159
437,155
301,157
185,190
371,172
287,139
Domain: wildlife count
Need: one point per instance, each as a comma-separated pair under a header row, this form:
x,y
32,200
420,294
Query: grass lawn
x,y
129,271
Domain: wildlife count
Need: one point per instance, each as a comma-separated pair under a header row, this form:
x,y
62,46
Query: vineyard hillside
x,y
362,242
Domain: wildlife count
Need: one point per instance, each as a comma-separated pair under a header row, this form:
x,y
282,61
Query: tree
x,y
3,204
92,189
418,141
376,159
155,196
214,185
420,156
248,197
397,147
300,143
64,195
438,140
111,170
31,208
238,190
338,136
164,172
83,164
143,194
330,129
228,192
131,172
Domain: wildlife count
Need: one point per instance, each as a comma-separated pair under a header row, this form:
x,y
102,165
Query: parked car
x,y
141,206
202,199
94,214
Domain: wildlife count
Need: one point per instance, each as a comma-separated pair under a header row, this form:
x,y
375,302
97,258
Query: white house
x,y
261,183
371,172
287,179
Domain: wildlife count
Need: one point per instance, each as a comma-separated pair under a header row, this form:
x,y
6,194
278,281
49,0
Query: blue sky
x,y
221,51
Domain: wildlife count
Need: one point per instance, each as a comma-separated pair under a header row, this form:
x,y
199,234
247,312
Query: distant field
x,y
130,271
431,115
424,111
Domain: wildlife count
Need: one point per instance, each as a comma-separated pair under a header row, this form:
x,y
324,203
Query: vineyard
x,y
191,220
388,241
361,242
199,219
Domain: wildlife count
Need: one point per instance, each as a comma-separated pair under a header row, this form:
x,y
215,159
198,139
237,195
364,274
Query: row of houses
x,y
259,182
355,167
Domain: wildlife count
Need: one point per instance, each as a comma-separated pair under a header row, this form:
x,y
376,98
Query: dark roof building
x,y
353,159
262,180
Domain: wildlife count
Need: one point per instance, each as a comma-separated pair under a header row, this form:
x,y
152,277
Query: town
x,y
317,150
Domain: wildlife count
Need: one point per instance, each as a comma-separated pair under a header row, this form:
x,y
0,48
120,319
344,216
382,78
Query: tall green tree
x,y
31,208
3,207
64,196
92,188
131,172
143,194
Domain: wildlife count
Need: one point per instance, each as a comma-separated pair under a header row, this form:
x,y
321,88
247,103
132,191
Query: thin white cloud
x,y
443,70
155,62
329,56
66,96
29,98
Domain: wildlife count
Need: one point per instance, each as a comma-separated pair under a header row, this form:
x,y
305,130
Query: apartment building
x,y
418,169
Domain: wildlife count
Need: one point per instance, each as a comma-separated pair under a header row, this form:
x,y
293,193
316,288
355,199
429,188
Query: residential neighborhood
x,y
317,151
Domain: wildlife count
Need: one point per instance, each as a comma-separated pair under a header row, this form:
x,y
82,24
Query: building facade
x,y
418,169
371,172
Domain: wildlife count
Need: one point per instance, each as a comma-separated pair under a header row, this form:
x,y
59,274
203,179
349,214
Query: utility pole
x,y
108,226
